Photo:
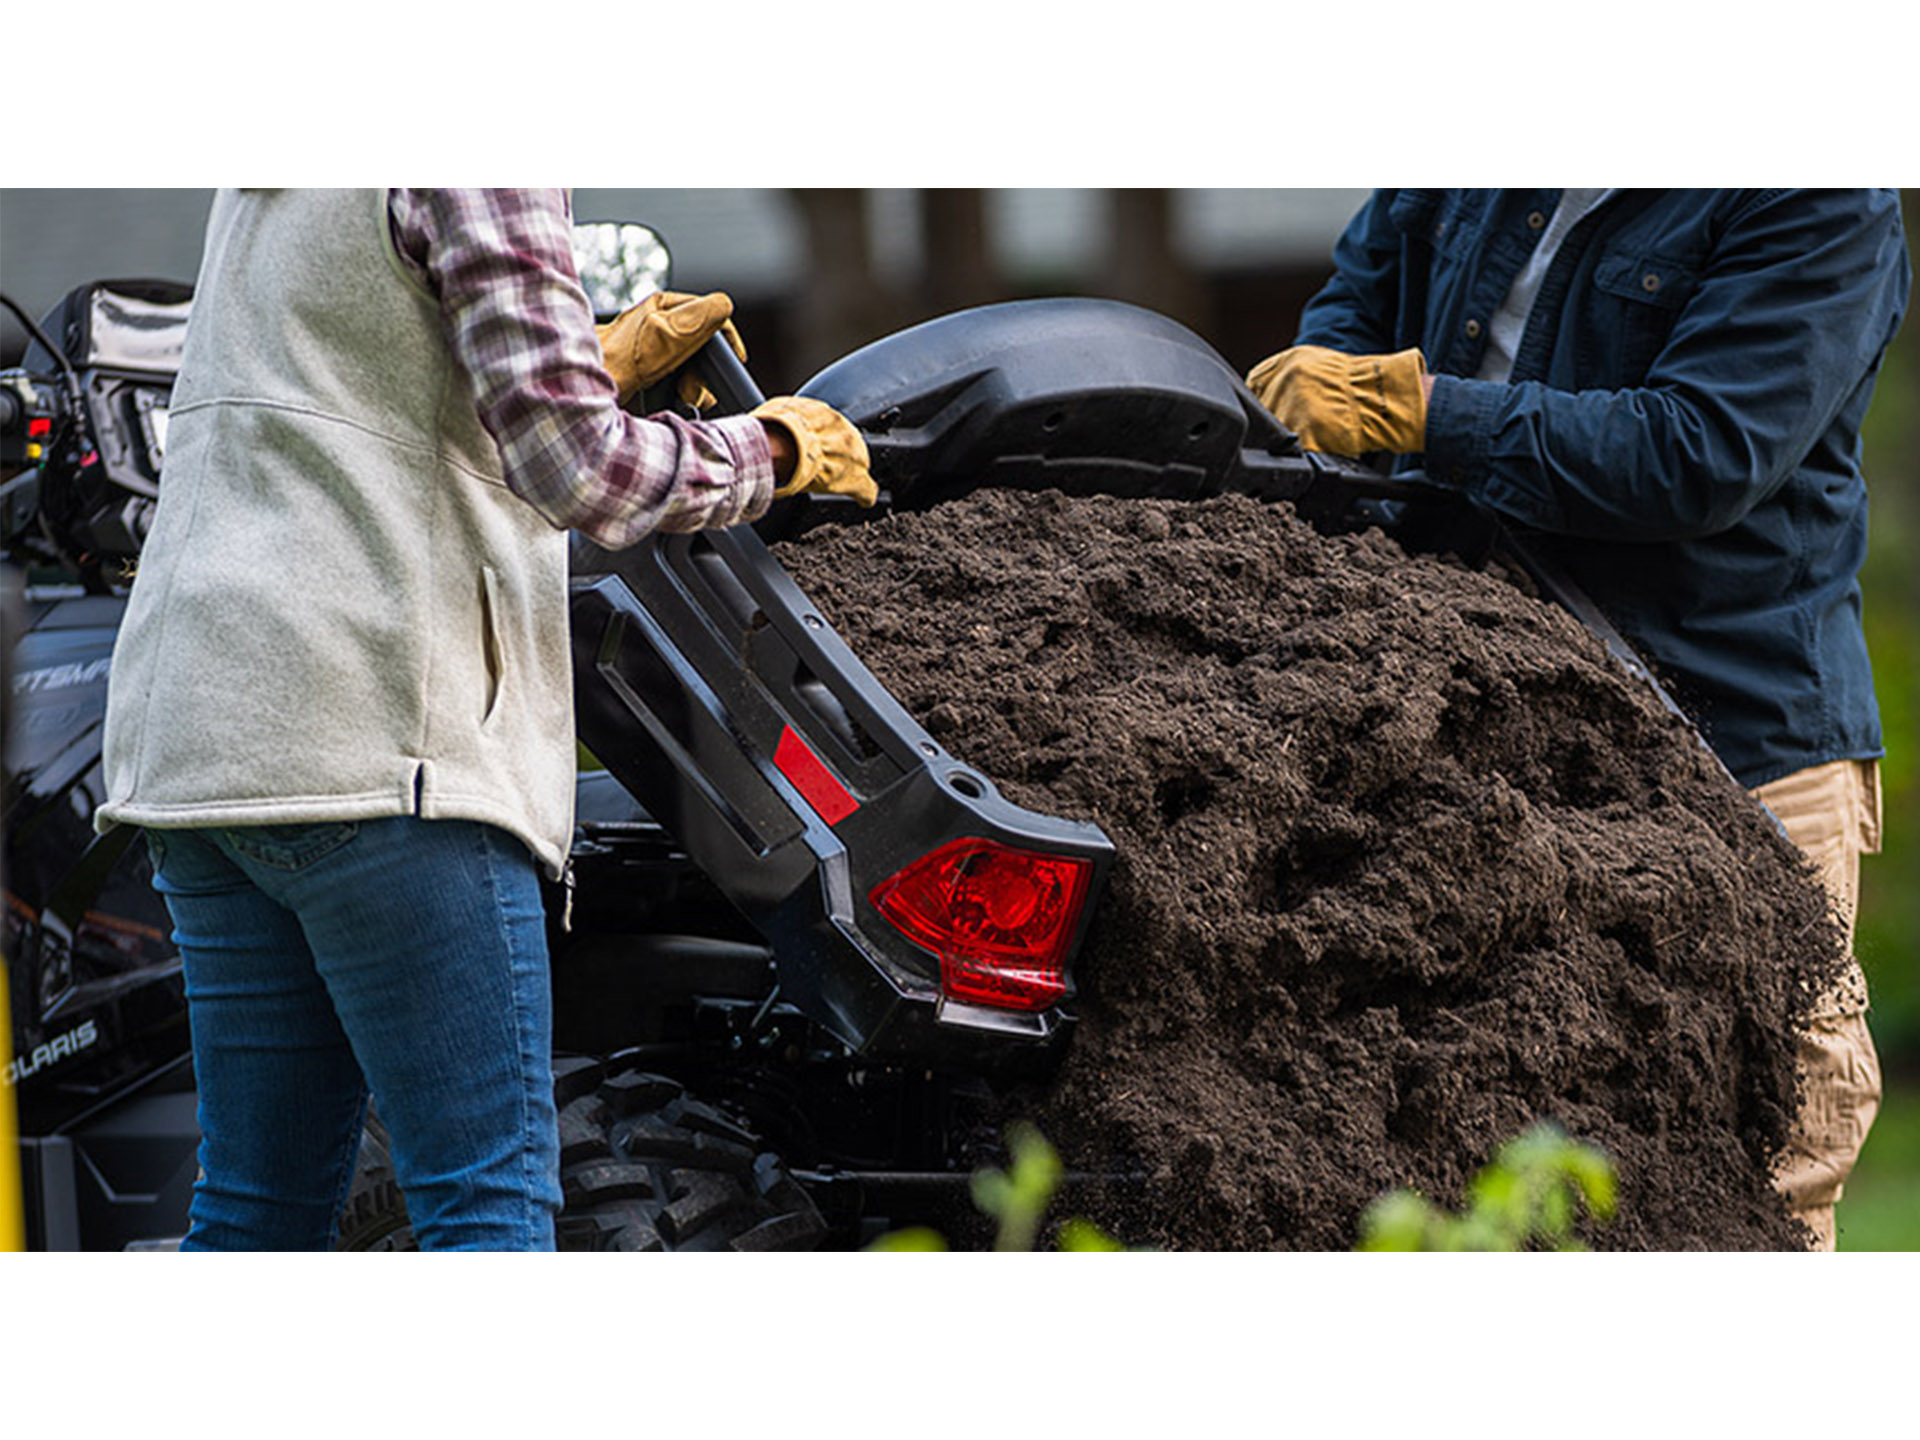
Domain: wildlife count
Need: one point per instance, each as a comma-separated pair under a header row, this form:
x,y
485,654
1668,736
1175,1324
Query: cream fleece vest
x,y
341,612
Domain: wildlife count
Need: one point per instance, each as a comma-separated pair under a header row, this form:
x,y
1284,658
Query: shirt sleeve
x,y
1355,311
1786,323
500,263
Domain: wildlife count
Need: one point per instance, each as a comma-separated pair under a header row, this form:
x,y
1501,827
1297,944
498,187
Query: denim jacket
x,y
1681,430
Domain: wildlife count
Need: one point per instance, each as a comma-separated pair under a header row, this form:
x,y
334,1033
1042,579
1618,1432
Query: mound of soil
x,y
1406,862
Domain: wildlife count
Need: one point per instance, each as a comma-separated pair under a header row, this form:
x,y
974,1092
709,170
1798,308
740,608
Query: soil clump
x,y
1406,862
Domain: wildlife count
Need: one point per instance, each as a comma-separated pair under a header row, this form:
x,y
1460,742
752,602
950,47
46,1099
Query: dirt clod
x,y
1405,863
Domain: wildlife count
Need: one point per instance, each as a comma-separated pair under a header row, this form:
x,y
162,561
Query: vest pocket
x,y
491,650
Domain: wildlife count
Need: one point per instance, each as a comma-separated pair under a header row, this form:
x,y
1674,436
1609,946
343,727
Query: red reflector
x,y
812,779
39,427
999,919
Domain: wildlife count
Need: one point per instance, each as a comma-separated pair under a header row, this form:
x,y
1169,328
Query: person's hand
x,y
830,453
644,345
1346,404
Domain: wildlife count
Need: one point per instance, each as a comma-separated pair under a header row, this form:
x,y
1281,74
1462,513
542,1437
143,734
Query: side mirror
x,y
620,264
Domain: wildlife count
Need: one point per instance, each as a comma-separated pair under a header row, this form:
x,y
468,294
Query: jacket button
x,y
1536,220
1650,282
1473,329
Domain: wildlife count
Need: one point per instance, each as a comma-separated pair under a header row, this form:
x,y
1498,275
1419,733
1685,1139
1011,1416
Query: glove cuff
x,y
1390,401
809,453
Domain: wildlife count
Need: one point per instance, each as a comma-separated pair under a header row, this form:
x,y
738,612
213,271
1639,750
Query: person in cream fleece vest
x,y
341,701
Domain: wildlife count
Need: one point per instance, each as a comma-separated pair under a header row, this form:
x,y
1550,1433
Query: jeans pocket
x,y
290,847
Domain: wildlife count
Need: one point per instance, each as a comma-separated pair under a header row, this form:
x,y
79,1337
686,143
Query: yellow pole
x,y
13,1233
13,1227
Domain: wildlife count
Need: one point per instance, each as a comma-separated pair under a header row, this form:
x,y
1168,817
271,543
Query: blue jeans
x,y
402,955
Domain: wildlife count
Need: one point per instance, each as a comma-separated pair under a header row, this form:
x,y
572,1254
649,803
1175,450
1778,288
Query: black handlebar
x,y
11,411
721,371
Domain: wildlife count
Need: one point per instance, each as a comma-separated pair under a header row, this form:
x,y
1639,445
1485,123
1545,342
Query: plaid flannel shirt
x,y
501,264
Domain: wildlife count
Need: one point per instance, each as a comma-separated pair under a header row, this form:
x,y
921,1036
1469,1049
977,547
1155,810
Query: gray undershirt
x,y
1509,322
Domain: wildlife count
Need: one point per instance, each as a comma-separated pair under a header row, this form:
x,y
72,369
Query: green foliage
x,y
918,1237
1528,1197
1083,1236
1878,1210
1890,908
1017,1198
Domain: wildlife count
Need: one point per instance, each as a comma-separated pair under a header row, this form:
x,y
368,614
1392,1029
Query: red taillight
x,y
999,919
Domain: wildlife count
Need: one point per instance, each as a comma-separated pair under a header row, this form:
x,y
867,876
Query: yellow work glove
x,y
832,452
644,345
1346,404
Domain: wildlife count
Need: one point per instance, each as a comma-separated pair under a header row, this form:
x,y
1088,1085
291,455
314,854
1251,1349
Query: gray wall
x,y
53,240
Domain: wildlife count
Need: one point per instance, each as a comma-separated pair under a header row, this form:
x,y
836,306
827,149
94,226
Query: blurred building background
x,y
816,273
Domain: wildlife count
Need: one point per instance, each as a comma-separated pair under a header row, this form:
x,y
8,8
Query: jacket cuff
x,y
1460,428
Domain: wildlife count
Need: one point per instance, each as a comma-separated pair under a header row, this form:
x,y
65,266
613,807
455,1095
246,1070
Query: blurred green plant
x,y
1017,1199
1527,1197
1887,939
1878,1211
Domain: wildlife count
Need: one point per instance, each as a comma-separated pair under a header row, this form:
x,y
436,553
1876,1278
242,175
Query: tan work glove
x,y
832,452
1346,404
644,345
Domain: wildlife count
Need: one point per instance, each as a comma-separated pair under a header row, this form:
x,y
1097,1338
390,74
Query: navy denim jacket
x,y
1681,428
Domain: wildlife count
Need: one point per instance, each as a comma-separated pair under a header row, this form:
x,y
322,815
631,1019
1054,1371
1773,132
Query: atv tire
x,y
375,1215
643,1166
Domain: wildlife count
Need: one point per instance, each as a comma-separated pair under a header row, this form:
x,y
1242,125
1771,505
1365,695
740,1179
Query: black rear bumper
x,y
718,695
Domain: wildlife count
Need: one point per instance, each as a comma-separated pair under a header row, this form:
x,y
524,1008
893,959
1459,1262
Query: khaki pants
x,y
1832,812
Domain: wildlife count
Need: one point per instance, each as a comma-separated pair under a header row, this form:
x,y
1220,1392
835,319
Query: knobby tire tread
x,y
643,1167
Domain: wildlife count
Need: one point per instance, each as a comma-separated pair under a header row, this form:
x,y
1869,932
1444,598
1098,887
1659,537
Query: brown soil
x,y
1405,864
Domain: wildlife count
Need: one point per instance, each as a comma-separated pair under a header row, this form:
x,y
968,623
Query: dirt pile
x,y
1406,863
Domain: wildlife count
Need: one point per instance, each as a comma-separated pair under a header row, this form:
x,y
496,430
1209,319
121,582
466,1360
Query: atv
x,y
800,947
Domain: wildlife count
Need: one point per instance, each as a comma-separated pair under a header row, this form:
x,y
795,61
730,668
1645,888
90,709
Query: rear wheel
x,y
646,1166
643,1166
375,1215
